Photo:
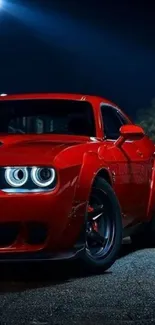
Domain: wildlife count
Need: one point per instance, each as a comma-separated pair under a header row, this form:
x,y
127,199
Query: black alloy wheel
x,y
103,237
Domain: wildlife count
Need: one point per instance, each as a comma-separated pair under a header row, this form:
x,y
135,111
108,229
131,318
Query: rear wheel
x,y
103,237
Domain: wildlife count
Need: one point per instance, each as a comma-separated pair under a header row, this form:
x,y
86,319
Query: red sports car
x,y
75,177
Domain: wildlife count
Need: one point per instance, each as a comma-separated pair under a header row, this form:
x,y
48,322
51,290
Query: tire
x,y
104,260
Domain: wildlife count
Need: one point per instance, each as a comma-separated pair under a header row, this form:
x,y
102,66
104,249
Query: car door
x,y
145,150
130,174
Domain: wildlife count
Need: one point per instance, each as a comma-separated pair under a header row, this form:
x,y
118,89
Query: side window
x,y
112,121
123,119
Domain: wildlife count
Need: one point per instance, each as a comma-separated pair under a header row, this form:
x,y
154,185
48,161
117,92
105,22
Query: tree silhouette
x,y
146,119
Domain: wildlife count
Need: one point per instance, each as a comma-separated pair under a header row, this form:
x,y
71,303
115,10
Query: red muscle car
x,y
75,177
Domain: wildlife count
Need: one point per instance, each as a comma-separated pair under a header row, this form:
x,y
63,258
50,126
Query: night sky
x,y
78,46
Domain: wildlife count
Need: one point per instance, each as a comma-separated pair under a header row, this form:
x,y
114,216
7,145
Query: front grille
x,y
36,233
8,233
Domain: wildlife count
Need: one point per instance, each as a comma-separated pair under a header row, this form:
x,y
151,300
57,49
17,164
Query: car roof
x,y
68,96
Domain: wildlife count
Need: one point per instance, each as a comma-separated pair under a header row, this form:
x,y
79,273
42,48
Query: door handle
x,y
139,153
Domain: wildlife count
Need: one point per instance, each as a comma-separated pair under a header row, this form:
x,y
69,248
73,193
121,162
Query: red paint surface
x,y
77,161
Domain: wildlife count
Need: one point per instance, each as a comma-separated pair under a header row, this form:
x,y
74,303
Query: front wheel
x,y
103,231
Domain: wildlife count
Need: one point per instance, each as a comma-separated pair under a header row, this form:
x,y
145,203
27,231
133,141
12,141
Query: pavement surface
x,y
61,295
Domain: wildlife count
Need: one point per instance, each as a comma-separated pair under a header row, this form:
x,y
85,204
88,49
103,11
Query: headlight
x,y
16,176
43,177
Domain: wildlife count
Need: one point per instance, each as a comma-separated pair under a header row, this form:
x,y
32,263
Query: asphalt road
x,y
63,295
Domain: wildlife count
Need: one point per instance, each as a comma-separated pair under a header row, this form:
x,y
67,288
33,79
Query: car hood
x,y
34,149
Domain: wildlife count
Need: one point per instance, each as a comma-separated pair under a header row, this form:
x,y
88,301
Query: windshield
x,y
41,116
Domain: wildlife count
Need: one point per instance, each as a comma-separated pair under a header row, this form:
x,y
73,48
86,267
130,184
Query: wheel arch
x,y
105,174
91,168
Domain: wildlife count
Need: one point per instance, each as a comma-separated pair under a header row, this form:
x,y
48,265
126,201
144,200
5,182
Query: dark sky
x,y
105,48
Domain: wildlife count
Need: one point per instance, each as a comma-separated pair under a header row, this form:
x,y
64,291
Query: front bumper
x,y
51,211
41,256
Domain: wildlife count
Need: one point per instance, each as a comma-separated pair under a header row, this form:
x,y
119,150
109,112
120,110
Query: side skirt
x,y
132,229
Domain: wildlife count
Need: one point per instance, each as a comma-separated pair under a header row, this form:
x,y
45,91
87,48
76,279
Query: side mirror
x,y
129,132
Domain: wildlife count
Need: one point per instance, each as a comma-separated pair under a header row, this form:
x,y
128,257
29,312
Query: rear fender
x,y
151,202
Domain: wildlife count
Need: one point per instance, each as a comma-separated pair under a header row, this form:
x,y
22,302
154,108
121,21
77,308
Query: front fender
x,y
91,166
75,232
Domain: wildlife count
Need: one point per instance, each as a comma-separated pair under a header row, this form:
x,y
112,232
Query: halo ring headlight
x,y
42,177
16,176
